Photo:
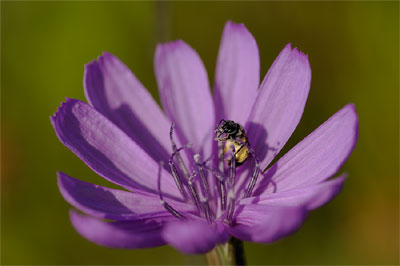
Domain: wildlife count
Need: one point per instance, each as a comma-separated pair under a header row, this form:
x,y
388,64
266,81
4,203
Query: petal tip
x,y
107,57
234,25
163,49
301,55
59,109
107,54
351,107
58,118
288,47
351,111
172,45
62,178
63,105
65,185
89,65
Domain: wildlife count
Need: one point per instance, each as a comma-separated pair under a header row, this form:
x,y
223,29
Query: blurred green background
x,y
353,49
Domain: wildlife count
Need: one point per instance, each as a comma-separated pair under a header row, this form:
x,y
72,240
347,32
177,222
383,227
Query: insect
x,y
232,133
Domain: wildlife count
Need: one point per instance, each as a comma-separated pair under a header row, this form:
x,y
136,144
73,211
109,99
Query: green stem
x,y
230,253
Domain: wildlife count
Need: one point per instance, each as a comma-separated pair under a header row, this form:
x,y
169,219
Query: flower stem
x,y
230,253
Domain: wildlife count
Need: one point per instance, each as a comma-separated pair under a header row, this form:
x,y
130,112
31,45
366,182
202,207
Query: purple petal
x,y
126,234
115,92
311,197
185,92
107,149
316,158
237,74
265,224
194,236
103,202
280,103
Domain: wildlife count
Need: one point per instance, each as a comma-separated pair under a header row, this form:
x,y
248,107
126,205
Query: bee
x,y
232,133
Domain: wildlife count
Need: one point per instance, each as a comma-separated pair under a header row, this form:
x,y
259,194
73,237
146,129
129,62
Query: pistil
x,y
231,185
175,174
165,204
182,166
205,193
225,178
221,184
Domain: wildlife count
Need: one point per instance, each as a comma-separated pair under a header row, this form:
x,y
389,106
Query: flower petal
x,y
126,234
280,104
311,197
194,236
237,74
107,149
115,92
114,204
316,158
185,92
265,224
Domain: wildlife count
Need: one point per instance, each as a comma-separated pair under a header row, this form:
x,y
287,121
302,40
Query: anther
x,y
204,188
165,204
252,183
232,172
221,184
207,212
231,205
256,172
177,179
231,183
189,178
178,156
203,177
217,174
193,191
175,174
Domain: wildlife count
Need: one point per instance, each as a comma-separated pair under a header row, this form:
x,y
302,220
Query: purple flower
x,y
187,188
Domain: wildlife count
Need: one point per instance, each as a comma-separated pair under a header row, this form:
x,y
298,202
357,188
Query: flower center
x,y
212,190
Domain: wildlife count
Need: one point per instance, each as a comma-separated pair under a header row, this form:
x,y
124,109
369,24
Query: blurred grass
x,y
353,49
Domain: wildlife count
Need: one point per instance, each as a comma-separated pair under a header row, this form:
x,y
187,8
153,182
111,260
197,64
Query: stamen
x,y
178,156
231,182
204,181
208,212
217,174
252,183
205,194
221,184
177,179
193,191
175,174
182,166
232,172
256,172
165,204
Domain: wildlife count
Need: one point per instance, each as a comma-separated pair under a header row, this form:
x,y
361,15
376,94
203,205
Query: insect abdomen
x,y
241,151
